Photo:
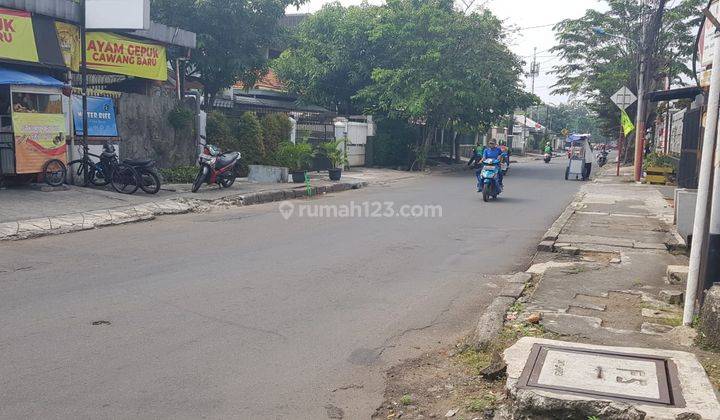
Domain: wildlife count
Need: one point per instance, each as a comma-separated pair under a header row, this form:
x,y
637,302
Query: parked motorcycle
x,y
216,167
489,179
547,157
147,174
602,158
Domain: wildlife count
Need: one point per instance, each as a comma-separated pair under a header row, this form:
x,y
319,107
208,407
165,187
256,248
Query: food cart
x,y
34,123
580,156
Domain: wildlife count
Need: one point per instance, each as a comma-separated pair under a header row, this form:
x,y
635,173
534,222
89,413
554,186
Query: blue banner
x,y
101,116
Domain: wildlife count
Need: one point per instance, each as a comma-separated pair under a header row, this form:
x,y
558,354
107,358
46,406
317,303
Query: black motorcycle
x,y
147,174
602,158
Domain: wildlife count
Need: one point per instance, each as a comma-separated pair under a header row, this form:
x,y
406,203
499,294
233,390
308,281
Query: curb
x,y
56,225
552,234
492,320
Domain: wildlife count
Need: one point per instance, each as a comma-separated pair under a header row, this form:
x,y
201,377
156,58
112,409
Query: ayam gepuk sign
x,y
113,53
17,39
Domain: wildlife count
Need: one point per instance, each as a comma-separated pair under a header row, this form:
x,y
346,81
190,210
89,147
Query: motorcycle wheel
x,y
125,179
149,181
486,192
199,179
228,181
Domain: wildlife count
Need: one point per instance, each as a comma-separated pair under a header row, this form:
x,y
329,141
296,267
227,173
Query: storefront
x,y
34,122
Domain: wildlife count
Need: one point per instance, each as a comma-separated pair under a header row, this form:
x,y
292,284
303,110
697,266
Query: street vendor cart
x,y
580,157
34,123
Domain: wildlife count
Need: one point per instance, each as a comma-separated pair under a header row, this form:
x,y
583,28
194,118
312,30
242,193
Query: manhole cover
x,y
617,376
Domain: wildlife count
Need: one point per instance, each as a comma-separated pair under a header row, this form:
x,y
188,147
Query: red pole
x,y
620,148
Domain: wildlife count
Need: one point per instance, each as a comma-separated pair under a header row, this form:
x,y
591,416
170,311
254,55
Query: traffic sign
x,y
623,98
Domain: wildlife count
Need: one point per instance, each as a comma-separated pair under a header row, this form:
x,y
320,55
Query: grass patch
x,y
481,404
671,322
517,307
476,360
406,399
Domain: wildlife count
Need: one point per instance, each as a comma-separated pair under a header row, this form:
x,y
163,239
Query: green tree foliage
x,y
276,129
250,139
595,67
573,116
414,60
233,36
219,131
331,57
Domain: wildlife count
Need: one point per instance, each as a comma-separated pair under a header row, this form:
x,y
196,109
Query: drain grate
x,y
618,376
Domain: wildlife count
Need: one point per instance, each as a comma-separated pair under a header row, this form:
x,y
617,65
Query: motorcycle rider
x,y
548,148
492,151
477,154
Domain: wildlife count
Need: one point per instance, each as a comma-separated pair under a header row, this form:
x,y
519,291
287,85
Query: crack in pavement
x,y
227,322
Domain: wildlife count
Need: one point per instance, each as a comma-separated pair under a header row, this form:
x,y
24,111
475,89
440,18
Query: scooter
x,y
602,158
547,157
489,179
216,167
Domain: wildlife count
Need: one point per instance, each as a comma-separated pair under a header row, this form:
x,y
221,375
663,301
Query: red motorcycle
x,y
216,167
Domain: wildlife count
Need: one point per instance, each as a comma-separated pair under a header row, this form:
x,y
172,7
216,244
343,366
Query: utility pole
x,y
640,118
533,72
702,221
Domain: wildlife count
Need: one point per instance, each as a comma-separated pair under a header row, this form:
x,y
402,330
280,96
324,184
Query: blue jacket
x,y
494,153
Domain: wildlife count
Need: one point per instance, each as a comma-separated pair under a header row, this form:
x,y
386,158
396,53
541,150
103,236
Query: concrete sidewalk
x,y
30,211
602,268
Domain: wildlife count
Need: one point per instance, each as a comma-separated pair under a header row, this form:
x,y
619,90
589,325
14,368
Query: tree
x,y
410,61
573,116
233,37
596,67
331,57
441,65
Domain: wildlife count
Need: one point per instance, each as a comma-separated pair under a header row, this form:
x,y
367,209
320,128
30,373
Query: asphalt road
x,y
239,313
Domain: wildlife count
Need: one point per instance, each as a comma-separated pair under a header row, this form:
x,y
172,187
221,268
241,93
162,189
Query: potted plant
x,y
331,150
297,157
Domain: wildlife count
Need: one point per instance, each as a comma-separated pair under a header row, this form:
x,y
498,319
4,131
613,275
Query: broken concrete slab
x,y
513,290
521,277
673,297
655,329
567,383
677,274
710,317
546,246
569,324
491,322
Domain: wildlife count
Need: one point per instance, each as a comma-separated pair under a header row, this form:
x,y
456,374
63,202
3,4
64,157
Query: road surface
x,y
239,313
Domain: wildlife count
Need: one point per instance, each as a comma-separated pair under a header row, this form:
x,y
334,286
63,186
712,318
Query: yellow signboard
x,y
112,53
38,138
69,38
17,39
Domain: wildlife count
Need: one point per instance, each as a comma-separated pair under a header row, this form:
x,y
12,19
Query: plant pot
x,y
298,177
335,174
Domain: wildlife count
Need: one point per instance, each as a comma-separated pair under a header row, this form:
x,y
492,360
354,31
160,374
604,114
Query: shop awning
x,y
14,77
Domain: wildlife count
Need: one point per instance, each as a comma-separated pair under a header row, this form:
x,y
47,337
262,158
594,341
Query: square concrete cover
x,y
661,383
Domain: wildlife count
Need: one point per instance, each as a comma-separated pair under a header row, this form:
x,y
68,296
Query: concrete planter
x,y
268,174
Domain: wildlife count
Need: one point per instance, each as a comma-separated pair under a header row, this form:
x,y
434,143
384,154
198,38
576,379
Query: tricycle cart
x,y
579,157
34,122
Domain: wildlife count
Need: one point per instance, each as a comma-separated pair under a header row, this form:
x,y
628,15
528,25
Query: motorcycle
x,y
216,167
547,157
489,179
602,158
149,179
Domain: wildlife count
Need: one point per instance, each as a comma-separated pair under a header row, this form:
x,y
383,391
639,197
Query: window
x,y
41,103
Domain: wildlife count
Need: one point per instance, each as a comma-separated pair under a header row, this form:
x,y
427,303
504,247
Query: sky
x,y
534,18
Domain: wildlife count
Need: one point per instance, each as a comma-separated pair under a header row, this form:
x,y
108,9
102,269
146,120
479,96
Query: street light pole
x,y
640,121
